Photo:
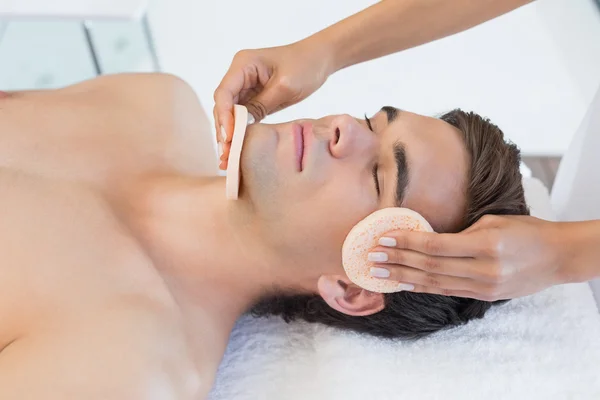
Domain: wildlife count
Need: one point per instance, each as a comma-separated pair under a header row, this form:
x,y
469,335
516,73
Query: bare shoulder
x,y
164,99
159,105
145,88
108,129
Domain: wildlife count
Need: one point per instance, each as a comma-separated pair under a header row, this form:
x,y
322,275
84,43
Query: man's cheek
x,y
332,230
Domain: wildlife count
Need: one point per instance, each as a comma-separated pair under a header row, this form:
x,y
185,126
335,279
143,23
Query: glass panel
x,y
38,54
41,55
122,46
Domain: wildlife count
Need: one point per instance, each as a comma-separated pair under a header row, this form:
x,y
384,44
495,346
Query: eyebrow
x,y
402,167
400,156
391,113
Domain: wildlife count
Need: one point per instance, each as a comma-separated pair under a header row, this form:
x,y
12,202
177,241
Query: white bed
x,y
544,346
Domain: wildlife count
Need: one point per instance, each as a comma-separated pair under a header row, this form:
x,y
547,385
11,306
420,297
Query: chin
x,y
261,178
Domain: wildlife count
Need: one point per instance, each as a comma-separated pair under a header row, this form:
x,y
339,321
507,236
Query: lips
x,y
303,137
298,133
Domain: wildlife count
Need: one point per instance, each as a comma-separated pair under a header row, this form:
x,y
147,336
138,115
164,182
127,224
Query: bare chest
x,y
83,309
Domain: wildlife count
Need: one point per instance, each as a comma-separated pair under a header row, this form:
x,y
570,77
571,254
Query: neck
x,y
208,249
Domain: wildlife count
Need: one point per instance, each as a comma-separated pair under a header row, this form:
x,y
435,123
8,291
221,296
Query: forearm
x,y
395,25
580,245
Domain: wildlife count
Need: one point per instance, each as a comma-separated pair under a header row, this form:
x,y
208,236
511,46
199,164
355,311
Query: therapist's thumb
x,y
277,94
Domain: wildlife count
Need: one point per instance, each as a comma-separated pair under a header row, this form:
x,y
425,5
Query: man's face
x,y
310,181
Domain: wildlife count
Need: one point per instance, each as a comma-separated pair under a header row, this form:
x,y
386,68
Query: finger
x,y
440,244
226,151
224,121
217,131
224,160
462,267
225,97
220,135
417,277
282,106
247,94
271,98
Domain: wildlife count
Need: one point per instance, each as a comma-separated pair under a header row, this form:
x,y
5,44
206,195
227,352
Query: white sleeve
x,y
576,190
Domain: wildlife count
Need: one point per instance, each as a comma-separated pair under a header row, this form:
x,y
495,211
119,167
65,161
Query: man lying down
x,y
124,268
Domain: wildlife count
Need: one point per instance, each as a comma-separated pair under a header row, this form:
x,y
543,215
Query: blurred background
x,y
533,71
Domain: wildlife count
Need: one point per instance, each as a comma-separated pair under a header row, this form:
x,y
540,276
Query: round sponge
x,y
365,236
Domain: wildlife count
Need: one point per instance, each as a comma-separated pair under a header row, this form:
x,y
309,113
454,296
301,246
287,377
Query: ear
x,y
346,297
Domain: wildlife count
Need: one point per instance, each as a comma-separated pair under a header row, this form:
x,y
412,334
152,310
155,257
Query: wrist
x,y
369,34
322,48
580,248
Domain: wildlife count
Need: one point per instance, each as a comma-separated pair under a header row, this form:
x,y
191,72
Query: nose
x,y
350,138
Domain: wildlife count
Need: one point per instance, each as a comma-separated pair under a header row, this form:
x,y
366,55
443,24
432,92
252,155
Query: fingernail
x,y
251,119
379,272
377,256
223,134
220,149
406,286
387,242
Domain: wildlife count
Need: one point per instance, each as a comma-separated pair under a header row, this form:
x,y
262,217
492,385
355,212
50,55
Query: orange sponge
x,y
365,236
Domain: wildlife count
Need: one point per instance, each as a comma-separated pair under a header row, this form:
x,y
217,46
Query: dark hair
x,y
494,187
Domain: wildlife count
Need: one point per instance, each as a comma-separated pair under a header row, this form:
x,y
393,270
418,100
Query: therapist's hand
x,y
499,257
268,80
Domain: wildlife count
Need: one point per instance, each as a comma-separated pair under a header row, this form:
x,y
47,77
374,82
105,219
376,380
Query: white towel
x,y
544,346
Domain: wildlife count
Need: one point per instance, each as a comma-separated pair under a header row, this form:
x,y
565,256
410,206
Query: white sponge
x,y
232,181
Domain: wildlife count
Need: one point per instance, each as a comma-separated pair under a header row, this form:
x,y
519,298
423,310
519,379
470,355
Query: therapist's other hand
x,y
268,80
498,257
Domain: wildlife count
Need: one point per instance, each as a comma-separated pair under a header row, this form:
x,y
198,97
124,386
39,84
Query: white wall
x,y
511,69
574,27
533,72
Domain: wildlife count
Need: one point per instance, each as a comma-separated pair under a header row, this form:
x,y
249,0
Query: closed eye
x,y
375,167
368,121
